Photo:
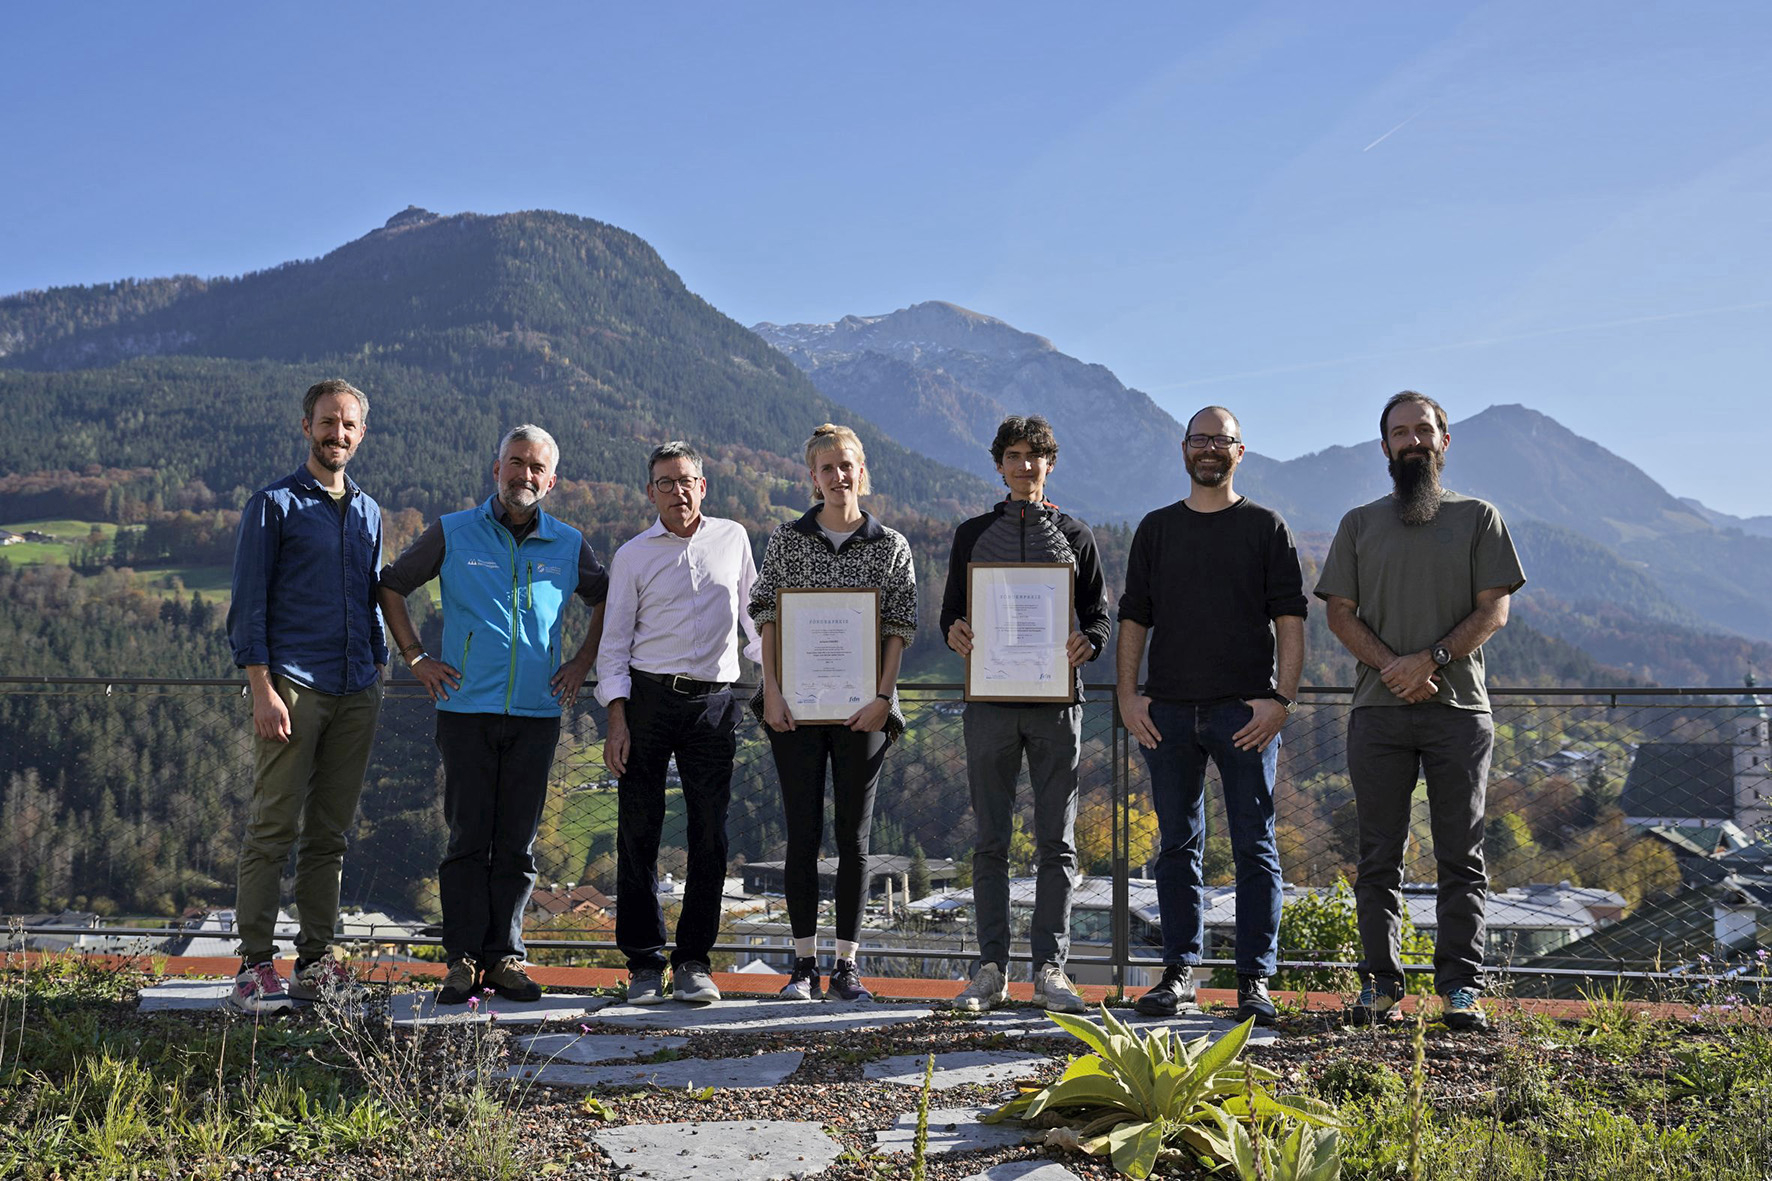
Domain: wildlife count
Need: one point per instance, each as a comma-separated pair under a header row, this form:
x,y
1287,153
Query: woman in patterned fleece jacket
x,y
835,544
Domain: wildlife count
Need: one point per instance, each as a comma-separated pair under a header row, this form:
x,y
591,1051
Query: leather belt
x,y
681,685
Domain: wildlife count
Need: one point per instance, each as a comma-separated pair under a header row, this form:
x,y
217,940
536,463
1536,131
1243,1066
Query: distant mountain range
x,y
1597,532
461,326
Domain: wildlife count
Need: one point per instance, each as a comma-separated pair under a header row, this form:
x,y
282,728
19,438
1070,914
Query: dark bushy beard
x,y
1417,484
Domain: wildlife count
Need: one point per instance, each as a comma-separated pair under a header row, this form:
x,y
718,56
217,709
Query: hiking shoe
x,y
692,983
460,982
1054,992
803,984
1376,1005
987,990
646,987
508,979
325,979
1253,1000
1462,1011
259,990
846,982
1173,993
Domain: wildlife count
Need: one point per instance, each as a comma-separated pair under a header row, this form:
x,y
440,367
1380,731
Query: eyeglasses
x,y
667,485
1222,442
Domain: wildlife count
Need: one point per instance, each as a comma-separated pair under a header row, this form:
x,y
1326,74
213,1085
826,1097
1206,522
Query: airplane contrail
x,y
1465,344
1389,133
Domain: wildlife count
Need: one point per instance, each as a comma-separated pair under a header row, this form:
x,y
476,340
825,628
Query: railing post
x,y
1122,826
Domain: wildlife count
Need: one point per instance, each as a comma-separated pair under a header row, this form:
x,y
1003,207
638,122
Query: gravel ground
x,y
550,1128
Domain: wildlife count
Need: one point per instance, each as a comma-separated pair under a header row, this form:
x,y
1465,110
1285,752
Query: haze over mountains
x,y
460,326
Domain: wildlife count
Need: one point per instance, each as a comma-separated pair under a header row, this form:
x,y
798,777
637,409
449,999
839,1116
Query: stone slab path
x,y
758,1070
1015,1023
590,1048
951,1129
737,1150
958,1069
1025,1170
762,1016
408,1008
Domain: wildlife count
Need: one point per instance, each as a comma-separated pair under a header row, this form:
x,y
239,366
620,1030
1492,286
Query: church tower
x,y
1753,763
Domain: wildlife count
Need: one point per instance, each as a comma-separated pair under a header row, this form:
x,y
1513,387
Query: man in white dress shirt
x,y
669,656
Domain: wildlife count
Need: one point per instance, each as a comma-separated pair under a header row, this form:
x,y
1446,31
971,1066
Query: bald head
x,y
1214,420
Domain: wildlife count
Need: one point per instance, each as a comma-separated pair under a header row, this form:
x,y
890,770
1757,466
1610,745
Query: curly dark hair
x,y
1033,430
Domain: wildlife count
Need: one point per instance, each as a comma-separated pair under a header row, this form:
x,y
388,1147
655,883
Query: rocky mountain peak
x,y
412,215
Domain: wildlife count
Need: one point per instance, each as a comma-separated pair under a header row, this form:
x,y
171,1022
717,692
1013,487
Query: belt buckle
x,y
676,677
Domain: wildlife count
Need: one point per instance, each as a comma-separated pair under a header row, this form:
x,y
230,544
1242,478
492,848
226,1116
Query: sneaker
x,y
692,983
508,979
1253,1000
460,982
1172,994
1462,1011
646,987
1055,993
803,984
325,979
846,982
1377,1005
259,990
987,990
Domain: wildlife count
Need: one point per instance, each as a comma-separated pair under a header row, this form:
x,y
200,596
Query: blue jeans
x,y
1191,735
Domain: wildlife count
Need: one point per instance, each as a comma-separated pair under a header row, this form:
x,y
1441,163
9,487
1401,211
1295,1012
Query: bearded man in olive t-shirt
x,y
1416,582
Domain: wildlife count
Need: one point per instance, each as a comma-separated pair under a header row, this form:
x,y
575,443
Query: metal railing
x,y
1619,833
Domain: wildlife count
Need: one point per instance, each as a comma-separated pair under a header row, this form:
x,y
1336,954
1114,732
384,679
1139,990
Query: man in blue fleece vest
x,y
507,569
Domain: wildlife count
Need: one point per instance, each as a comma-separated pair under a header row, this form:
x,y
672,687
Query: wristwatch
x,y
1285,701
1442,655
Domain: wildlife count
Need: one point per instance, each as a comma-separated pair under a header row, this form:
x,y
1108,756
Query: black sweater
x,y
1208,585
1019,531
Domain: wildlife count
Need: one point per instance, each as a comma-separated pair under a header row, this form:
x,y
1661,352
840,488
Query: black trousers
x,y
855,759
700,732
495,780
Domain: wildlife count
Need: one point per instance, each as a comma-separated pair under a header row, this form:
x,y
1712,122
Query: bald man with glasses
x,y
1213,582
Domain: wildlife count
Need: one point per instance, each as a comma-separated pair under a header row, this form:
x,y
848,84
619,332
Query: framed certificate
x,y
827,651
1021,615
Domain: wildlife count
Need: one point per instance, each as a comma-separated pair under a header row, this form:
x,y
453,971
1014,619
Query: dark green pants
x,y
306,789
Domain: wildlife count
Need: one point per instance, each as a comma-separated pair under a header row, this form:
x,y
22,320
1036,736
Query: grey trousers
x,y
1052,737
1388,748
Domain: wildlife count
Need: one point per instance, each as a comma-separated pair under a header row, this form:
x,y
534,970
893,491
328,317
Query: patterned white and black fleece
x,y
1019,531
800,557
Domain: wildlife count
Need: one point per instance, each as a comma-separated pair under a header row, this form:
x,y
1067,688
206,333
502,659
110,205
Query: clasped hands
x,y
1411,677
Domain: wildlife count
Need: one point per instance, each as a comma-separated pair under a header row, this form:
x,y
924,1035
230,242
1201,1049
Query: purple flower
x,y
1704,959
473,1003
584,1028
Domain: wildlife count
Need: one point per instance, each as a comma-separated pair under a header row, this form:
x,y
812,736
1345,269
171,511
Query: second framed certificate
x,y
827,655
1021,615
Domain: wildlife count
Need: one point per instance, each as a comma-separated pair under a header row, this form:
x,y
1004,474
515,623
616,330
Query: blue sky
x,y
1294,209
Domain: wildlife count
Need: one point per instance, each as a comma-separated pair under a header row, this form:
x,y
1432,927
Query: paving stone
x,y
959,1069
586,1048
952,1129
763,1015
759,1070
737,1150
1014,1023
174,995
1025,1170
421,1008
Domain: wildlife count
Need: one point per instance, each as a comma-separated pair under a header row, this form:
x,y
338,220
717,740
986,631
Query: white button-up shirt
x,y
676,605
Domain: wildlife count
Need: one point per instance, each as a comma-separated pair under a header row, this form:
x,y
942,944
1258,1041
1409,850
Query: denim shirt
x,y
305,586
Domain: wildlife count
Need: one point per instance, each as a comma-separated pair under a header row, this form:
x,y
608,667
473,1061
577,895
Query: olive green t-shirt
x,y
1415,583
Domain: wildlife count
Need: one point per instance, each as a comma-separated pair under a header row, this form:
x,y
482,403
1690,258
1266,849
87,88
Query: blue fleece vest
x,y
502,602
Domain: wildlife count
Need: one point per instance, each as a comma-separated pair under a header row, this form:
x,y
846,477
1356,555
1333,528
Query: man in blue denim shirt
x,y
1214,581
305,625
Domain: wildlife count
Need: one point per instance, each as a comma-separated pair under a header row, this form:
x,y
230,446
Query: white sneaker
x,y
259,990
988,989
1054,992
327,979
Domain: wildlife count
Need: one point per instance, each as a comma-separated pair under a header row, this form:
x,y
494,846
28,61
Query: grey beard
x,y
1417,489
